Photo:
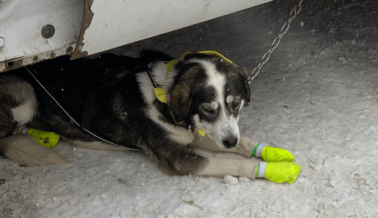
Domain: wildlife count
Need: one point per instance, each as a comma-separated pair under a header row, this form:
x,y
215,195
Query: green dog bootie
x,y
271,154
278,172
47,139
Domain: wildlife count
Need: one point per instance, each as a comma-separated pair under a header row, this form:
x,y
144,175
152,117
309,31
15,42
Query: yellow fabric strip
x,y
216,54
209,53
169,66
201,132
161,94
185,54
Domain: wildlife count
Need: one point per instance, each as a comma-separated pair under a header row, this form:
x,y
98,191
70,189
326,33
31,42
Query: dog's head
x,y
208,92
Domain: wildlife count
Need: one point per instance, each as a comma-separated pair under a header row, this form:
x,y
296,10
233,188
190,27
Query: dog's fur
x,y
203,92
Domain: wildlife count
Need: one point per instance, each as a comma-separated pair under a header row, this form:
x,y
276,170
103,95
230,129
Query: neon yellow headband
x,y
209,53
170,64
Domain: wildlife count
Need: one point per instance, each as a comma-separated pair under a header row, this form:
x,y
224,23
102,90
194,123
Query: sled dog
x,y
202,96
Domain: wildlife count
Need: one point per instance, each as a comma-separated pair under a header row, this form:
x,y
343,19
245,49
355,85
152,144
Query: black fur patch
x,y
189,81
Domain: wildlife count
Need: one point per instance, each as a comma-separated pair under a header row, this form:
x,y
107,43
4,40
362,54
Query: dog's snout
x,y
230,142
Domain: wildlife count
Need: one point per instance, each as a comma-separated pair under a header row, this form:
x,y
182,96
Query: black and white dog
x,y
204,93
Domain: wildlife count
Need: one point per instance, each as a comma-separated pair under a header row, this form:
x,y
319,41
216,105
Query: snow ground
x,y
316,97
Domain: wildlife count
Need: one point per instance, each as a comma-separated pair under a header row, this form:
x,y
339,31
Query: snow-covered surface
x,y
316,97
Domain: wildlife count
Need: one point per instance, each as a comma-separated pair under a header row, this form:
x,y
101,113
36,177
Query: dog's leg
x,y
18,104
278,166
173,158
74,136
279,172
183,160
245,146
24,150
226,166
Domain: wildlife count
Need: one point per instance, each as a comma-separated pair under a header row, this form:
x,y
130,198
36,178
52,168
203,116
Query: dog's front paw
x,y
272,154
47,139
278,172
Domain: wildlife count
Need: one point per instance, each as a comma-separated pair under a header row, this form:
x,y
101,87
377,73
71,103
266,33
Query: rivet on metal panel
x,y
69,50
47,31
13,64
2,42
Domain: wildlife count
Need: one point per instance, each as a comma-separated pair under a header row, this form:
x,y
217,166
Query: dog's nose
x,y
230,142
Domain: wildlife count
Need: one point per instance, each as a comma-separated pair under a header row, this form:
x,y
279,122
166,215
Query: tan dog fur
x,y
24,150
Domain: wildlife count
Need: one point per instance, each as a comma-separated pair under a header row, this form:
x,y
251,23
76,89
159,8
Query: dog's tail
x,y
24,150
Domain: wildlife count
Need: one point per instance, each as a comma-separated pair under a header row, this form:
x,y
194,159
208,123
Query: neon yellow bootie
x,y
47,139
278,172
271,154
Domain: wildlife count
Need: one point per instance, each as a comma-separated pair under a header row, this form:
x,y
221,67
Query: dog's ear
x,y
179,100
245,82
189,80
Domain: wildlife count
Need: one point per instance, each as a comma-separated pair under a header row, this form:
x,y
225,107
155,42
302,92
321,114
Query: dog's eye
x,y
235,104
207,108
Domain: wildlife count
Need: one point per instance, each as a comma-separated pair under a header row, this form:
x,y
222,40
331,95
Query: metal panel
x,y
21,34
109,24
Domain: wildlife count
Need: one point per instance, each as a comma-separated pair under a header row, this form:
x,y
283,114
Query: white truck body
x,y
35,30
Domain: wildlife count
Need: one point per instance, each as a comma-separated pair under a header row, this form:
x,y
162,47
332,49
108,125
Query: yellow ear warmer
x,y
201,132
47,139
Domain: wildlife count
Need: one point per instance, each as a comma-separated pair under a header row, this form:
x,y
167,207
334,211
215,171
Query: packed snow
x,y
316,97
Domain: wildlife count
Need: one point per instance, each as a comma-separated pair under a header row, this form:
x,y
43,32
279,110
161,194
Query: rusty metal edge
x,y
15,63
87,19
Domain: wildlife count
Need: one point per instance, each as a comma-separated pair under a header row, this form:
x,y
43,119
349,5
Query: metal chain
x,y
293,14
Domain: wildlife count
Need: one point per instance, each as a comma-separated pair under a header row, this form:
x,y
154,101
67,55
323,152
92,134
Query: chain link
x,y
293,14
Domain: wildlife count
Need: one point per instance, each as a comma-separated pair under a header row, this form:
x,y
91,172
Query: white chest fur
x,y
25,113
